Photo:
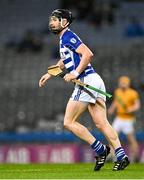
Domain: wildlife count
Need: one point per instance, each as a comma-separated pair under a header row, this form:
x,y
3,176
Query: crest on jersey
x,y
73,40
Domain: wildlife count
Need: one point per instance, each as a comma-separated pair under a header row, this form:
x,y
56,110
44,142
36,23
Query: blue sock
x,y
120,153
98,147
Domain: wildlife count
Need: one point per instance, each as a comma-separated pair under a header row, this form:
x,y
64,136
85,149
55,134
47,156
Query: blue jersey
x,y
69,42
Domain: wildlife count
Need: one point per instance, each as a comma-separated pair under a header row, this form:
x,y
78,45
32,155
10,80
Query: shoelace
x,y
100,159
116,165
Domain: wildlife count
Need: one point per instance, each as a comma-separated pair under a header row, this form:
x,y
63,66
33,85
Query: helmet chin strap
x,y
63,27
61,23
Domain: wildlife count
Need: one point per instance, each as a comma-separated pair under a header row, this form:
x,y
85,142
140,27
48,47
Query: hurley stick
x,y
56,71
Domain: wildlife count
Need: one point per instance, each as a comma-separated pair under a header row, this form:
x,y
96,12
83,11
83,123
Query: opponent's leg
x,y
98,113
133,146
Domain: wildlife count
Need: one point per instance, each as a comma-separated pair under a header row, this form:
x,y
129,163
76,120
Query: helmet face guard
x,y
61,14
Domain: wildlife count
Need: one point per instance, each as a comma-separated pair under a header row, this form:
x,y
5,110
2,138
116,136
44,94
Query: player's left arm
x,y
135,107
86,57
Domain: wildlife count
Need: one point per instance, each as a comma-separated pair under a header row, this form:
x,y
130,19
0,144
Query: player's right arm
x,y
47,76
112,108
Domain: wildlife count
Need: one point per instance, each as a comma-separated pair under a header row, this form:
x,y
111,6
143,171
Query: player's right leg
x,y
73,111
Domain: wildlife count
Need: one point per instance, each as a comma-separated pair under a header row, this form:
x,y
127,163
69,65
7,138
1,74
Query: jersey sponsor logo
x,y
73,40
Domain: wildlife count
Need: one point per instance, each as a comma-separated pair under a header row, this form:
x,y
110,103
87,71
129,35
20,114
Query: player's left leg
x,y
134,148
98,113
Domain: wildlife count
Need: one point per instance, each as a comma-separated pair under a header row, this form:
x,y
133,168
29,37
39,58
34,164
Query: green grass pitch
x,y
68,171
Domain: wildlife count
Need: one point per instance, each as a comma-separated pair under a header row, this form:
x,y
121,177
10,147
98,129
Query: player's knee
x,y
101,126
67,125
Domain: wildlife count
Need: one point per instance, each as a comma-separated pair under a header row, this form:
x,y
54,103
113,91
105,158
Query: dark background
x,y
114,30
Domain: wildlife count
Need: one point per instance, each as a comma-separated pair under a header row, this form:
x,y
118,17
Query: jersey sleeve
x,y
72,41
135,95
